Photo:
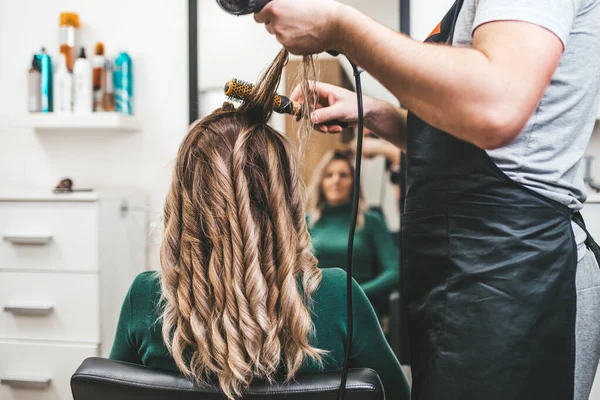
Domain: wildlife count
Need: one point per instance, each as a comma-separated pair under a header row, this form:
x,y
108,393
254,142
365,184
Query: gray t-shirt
x,y
545,157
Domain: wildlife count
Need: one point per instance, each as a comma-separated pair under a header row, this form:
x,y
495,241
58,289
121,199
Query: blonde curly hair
x,y
236,249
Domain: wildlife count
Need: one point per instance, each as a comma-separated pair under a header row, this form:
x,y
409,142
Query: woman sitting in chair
x,y
239,295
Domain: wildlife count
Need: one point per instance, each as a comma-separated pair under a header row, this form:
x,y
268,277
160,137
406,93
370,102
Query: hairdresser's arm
x,y
484,94
373,147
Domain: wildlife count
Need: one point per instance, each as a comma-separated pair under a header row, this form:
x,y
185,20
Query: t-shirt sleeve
x,y
555,15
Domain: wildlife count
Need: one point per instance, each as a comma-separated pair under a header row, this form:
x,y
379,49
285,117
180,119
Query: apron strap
x,y
589,241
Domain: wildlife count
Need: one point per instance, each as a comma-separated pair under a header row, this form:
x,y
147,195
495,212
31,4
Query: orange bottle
x,y
69,37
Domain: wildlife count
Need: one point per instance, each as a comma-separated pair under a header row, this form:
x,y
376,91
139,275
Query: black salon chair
x,y
102,379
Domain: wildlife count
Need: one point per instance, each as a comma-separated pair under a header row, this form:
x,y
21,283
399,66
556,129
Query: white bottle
x,y
82,85
98,74
63,87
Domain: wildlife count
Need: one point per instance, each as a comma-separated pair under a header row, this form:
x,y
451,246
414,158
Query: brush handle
x,y
284,105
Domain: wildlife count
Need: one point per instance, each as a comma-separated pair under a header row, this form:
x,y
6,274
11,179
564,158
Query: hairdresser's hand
x,y
373,147
302,26
335,103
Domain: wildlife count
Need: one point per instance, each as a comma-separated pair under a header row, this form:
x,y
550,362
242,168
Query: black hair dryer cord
x,y
349,253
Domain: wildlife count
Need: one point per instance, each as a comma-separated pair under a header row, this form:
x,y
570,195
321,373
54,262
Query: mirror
x,y
230,46
223,46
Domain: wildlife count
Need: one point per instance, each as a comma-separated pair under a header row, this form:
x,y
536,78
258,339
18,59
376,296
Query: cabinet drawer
x,y
37,371
49,306
49,235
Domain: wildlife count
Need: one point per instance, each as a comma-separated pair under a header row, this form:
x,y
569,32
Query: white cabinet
x,y
66,262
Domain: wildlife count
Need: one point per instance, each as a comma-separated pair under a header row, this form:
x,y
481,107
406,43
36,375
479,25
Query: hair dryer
x,y
242,7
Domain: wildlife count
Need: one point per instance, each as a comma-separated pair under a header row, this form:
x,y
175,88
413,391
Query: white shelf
x,y
109,121
37,194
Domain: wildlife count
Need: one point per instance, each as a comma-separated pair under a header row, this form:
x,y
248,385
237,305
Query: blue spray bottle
x,y
123,83
45,63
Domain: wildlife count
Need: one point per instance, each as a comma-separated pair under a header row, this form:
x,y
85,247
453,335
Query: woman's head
x,y
332,184
235,248
338,180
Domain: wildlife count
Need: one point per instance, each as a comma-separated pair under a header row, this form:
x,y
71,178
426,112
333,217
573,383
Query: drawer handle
x,y
26,383
29,310
35,240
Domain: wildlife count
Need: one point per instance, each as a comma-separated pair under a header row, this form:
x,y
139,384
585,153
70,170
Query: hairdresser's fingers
x,y
269,28
321,128
325,114
332,129
264,16
297,94
323,90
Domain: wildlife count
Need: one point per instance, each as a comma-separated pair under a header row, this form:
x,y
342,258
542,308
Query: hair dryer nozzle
x,y
242,7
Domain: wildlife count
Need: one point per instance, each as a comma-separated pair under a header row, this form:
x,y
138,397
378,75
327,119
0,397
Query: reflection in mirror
x,y
238,47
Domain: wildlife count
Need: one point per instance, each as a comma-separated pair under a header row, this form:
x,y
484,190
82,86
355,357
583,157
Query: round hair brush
x,y
239,90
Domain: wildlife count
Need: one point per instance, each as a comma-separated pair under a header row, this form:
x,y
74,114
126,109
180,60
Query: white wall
x,y
230,47
594,150
425,15
155,35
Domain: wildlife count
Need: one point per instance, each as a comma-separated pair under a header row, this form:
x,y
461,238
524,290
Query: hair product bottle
x,y
34,86
108,101
46,81
98,62
63,87
69,37
123,84
82,84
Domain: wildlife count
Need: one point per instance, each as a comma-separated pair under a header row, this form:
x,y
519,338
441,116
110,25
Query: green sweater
x,y
376,256
139,339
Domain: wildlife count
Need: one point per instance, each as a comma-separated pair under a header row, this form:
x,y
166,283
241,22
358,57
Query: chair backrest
x,y
102,379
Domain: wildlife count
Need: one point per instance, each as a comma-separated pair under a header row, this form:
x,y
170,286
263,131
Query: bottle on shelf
x,y
123,81
63,87
46,81
98,73
82,84
108,101
69,37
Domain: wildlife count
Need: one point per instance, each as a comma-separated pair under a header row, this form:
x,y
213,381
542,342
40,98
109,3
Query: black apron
x,y
488,274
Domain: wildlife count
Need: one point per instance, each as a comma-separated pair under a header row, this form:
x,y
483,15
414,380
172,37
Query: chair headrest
x,y
100,379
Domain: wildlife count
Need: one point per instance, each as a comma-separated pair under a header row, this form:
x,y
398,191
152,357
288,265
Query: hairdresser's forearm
x,y
454,89
387,121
